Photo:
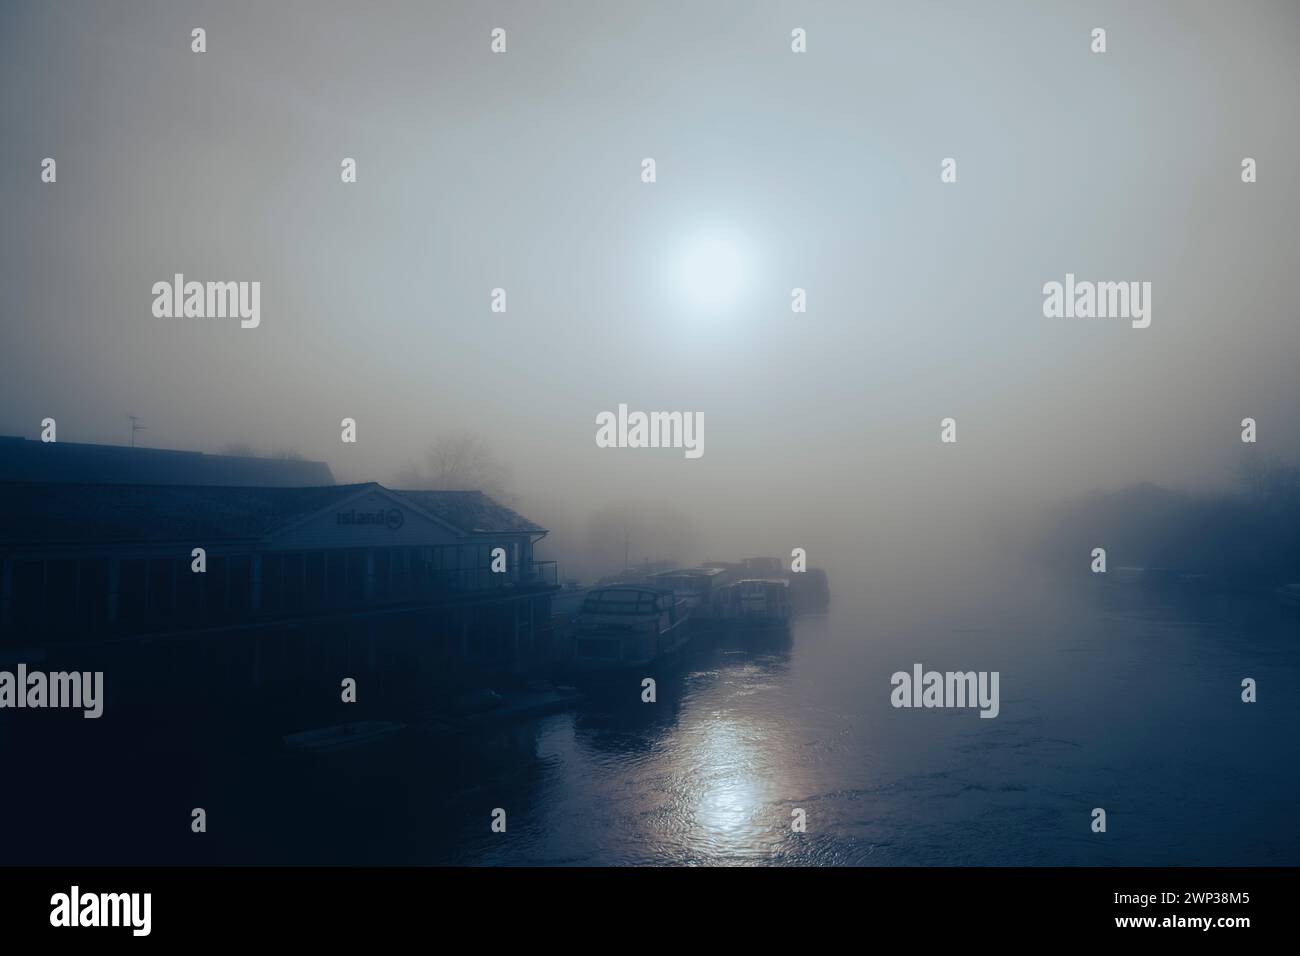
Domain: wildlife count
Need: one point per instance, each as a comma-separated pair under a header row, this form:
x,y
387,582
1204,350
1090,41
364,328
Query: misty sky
x,y
522,171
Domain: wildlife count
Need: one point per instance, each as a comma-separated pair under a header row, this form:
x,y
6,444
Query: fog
x,y
522,171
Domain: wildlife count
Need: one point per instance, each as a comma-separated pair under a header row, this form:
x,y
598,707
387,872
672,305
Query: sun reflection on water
x,y
730,788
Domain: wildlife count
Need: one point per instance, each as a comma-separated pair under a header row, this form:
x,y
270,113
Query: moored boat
x,y
625,626
766,568
809,588
696,588
755,602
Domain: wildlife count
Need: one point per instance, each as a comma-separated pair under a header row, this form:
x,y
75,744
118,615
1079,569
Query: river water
x,y
1110,697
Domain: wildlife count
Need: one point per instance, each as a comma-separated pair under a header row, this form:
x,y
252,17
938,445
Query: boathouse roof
x,y
22,459
47,513
472,512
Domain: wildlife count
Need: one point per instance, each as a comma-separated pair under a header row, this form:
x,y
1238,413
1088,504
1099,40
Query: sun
x,y
711,272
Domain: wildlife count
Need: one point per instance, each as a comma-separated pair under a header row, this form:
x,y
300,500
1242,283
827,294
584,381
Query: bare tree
x,y
460,461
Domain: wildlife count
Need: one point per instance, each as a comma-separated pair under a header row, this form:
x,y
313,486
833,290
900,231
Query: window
x,y
131,588
397,568
61,592
28,592
315,579
356,586
161,597
189,591
92,588
422,574
240,594
293,581
214,588
272,582
336,576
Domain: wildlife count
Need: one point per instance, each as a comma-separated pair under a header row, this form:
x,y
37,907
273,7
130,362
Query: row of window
x,y
70,594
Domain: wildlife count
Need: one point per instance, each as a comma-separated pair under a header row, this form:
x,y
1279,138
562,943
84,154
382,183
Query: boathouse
x,y
245,587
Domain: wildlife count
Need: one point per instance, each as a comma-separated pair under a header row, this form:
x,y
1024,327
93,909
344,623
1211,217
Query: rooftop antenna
x,y
135,427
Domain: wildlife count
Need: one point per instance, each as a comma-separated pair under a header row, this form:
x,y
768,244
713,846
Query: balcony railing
x,y
432,583
541,572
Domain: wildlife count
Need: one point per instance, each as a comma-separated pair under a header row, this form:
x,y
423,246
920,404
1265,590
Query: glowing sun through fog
x,y
711,273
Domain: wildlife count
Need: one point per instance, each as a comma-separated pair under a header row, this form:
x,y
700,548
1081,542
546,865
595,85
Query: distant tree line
x,y
1248,536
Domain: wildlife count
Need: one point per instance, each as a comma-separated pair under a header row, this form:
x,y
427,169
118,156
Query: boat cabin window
x,y
622,601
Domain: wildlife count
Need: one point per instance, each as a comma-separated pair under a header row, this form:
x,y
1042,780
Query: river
x,y
1110,697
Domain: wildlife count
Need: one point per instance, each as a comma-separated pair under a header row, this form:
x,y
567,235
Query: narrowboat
x,y
696,587
760,602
